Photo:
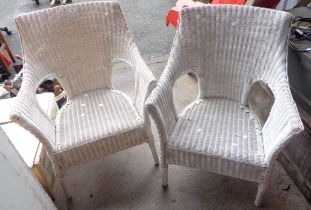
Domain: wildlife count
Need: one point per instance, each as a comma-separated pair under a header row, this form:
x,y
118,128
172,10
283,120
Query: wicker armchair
x,y
77,44
229,48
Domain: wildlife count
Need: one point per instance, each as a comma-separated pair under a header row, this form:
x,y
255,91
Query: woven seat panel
x,y
96,124
219,129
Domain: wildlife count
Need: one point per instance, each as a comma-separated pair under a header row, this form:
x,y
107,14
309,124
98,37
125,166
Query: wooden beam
x,y
2,39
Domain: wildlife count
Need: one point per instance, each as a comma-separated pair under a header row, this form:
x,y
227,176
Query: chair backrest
x,y
76,43
229,46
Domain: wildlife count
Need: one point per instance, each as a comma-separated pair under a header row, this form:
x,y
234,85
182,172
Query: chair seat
x,y
96,124
219,129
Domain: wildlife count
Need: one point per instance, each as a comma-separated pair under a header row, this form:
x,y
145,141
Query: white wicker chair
x,y
229,48
78,43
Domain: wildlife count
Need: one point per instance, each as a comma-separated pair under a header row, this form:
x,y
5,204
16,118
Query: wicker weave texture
x,y
229,48
77,44
88,119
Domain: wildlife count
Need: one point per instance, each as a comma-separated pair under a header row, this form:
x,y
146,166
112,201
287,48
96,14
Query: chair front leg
x,y
154,153
152,146
62,182
60,174
164,175
263,186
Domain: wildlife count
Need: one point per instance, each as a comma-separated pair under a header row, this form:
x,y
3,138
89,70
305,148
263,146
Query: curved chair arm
x,y
27,112
145,81
160,103
283,124
161,106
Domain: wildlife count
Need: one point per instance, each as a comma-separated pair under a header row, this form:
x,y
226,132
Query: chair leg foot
x,y
262,189
165,176
64,189
263,185
69,203
259,196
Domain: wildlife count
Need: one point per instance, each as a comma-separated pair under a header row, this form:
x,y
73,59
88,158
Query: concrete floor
x,y
128,179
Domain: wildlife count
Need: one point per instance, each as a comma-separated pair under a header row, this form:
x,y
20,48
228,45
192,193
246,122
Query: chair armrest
x,y
283,124
160,103
27,112
145,81
161,106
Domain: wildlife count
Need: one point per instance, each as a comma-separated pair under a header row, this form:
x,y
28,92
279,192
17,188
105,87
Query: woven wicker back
x,y
231,46
75,42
